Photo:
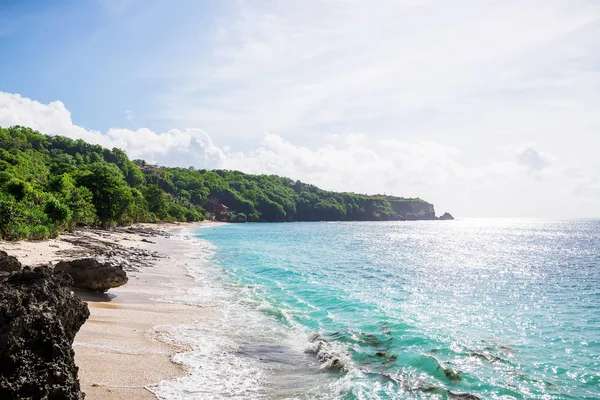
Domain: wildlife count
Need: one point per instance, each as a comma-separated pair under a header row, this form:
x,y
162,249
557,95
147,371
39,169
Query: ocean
x,y
465,309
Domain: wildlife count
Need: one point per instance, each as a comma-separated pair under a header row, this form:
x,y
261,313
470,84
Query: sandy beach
x,y
125,347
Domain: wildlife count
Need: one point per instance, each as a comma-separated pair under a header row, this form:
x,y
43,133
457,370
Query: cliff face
x,y
413,209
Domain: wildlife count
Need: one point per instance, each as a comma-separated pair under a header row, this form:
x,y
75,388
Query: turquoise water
x,y
506,309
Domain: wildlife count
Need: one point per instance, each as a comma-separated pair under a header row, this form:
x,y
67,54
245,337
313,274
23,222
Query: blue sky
x,y
483,107
95,56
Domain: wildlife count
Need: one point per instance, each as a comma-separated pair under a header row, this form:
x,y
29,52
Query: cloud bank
x,y
464,70
524,181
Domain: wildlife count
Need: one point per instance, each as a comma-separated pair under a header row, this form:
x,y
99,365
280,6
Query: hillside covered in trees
x,y
52,183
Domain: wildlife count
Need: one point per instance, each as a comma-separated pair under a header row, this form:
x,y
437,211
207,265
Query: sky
x,y
483,108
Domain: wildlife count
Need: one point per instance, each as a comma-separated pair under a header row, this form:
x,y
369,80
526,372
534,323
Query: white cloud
x,y
533,158
457,69
129,115
458,88
52,118
355,162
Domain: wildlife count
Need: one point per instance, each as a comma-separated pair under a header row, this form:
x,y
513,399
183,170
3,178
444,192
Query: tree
x,y
156,200
18,188
80,202
56,211
49,183
110,194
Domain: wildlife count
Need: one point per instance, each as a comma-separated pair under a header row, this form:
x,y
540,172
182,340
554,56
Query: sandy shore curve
x,y
125,348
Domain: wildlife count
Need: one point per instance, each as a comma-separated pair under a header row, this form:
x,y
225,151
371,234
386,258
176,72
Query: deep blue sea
x,y
473,308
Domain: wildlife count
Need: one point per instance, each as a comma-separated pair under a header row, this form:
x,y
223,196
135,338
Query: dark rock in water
x,y
446,217
335,365
461,395
448,393
486,357
9,263
452,375
434,365
39,317
326,354
92,274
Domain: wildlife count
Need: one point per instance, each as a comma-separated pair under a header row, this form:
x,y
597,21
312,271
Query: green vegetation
x,y
52,183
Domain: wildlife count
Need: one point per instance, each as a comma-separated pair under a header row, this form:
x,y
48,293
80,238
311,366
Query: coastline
x,y
125,347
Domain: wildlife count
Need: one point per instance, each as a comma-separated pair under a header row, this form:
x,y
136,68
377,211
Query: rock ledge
x,y
94,274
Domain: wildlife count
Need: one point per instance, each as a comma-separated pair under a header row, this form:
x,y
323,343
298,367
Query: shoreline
x,y
125,347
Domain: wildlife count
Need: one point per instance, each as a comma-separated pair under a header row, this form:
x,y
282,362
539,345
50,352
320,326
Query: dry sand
x,y
124,346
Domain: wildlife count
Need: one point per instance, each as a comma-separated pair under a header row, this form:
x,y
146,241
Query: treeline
x,y
52,183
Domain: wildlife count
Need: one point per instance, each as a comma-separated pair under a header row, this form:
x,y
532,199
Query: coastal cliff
x,y
413,210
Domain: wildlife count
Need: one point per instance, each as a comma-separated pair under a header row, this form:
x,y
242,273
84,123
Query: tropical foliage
x,y
52,183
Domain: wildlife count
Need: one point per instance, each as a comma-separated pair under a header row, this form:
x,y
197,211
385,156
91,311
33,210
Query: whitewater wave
x,y
254,350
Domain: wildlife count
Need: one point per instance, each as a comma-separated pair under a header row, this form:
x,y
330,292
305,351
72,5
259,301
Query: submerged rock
x,y
39,317
92,274
8,263
461,395
452,375
446,217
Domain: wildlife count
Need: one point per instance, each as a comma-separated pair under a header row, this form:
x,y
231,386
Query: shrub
x,y
193,215
177,212
56,211
19,232
10,215
34,214
55,230
254,217
39,232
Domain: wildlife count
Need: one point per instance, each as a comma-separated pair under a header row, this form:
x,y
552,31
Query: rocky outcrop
x,y
39,317
93,274
8,263
329,357
446,217
412,209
